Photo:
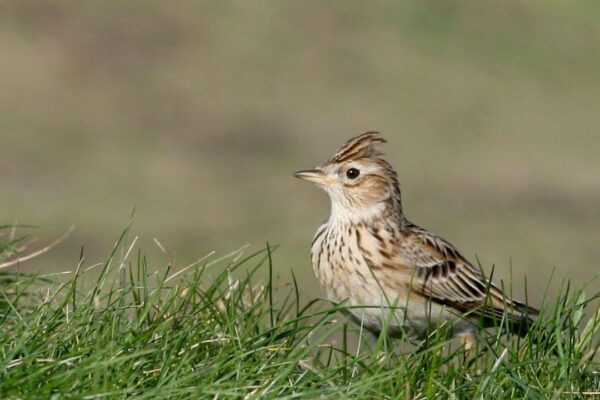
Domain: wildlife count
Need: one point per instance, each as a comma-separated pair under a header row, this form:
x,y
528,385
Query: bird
x,y
393,275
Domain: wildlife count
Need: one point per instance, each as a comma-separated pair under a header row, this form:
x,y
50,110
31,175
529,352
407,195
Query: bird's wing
x,y
434,268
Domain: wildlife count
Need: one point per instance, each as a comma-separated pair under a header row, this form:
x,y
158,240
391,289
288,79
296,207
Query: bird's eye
x,y
352,173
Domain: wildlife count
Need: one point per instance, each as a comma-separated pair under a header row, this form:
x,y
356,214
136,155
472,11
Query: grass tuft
x,y
212,330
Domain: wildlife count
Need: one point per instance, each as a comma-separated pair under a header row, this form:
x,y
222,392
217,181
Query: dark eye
x,y
352,173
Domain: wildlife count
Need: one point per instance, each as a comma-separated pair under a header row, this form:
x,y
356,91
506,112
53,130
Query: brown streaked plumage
x,y
368,254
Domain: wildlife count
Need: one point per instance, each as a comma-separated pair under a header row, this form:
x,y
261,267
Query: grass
x,y
212,330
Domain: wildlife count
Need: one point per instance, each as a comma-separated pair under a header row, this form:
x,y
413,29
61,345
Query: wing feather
x,y
437,270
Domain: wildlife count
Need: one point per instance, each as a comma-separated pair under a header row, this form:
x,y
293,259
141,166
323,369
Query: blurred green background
x,y
197,113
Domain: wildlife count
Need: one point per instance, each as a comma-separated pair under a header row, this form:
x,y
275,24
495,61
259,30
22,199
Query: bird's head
x,y
359,182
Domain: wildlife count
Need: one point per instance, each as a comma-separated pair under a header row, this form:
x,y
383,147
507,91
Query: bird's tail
x,y
506,313
520,317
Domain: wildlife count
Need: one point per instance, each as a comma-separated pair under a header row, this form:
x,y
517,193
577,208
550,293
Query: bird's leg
x,y
468,339
381,336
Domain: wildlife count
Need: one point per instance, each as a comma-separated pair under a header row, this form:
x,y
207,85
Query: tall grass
x,y
213,330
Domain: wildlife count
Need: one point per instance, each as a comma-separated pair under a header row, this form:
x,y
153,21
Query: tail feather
x,y
520,317
517,317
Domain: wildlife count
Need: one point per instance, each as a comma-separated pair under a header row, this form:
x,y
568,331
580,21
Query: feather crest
x,y
361,146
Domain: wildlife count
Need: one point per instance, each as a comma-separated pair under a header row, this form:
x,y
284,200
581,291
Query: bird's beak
x,y
312,175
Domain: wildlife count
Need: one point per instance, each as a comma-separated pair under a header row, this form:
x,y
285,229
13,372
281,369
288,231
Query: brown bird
x,y
389,270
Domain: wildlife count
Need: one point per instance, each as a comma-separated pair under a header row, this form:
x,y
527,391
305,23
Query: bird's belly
x,y
373,301
413,315
374,305
348,279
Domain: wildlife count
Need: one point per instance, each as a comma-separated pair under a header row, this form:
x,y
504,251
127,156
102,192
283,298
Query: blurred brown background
x,y
197,113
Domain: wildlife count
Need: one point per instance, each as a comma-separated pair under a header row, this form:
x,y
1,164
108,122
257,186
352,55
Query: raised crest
x,y
361,146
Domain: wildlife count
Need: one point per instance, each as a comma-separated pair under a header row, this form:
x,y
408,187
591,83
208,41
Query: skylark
x,y
389,270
